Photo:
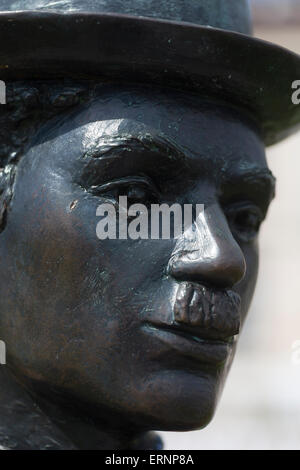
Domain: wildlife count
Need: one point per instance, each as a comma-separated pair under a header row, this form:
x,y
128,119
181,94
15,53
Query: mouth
x,y
203,327
196,334
185,342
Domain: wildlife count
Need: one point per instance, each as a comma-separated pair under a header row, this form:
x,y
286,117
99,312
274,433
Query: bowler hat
x,y
202,46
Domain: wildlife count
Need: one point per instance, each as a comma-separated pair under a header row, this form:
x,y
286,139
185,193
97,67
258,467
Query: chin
x,y
177,401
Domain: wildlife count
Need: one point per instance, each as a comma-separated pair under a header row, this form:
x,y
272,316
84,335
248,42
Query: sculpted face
x,y
138,330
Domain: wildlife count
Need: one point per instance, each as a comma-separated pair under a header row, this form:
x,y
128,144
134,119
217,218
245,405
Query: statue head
x,y
134,333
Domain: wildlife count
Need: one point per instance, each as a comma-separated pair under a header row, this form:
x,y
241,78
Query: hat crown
x,y
231,15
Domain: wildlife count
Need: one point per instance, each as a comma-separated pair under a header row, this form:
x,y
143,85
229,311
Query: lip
x,y
203,350
215,313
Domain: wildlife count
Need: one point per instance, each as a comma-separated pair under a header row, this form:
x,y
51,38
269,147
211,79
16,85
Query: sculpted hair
x,y
29,106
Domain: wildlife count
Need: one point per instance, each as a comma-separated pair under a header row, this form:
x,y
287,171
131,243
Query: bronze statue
x,y
163,101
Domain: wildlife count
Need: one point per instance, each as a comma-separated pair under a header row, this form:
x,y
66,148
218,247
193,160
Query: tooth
x,y
213,316
211,309
183,297
206,307
195,309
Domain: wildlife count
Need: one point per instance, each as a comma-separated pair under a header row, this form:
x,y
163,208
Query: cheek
x,y
75,296
67,269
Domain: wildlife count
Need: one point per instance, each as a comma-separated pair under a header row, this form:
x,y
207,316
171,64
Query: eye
x,y
245,221
138,189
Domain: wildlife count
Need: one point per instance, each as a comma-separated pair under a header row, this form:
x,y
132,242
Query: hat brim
x,y
233,67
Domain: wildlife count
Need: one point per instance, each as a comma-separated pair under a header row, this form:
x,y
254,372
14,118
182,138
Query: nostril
x,y
209,255
227,274
223,272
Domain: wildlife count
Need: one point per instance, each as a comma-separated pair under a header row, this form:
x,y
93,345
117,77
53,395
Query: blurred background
x,y
260,407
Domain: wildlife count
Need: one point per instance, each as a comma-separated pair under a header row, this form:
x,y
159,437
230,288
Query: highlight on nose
x,y
207,252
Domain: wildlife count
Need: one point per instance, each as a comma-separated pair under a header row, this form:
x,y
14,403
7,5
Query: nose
x,y
207,252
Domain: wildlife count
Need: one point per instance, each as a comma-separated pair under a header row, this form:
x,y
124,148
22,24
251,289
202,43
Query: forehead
x,y
211,133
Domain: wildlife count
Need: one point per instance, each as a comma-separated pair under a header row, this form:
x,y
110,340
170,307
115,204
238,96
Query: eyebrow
x,y
262,179
109,147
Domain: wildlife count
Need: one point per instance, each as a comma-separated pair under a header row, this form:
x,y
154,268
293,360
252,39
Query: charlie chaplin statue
x,y
161,101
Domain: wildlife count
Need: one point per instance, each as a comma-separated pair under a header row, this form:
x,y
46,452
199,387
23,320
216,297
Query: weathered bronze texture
x,y
110,340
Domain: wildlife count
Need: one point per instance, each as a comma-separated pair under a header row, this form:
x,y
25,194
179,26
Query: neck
x,y
57,426
87,433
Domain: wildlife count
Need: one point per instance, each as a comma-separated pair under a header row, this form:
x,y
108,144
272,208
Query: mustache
x,y
207,312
